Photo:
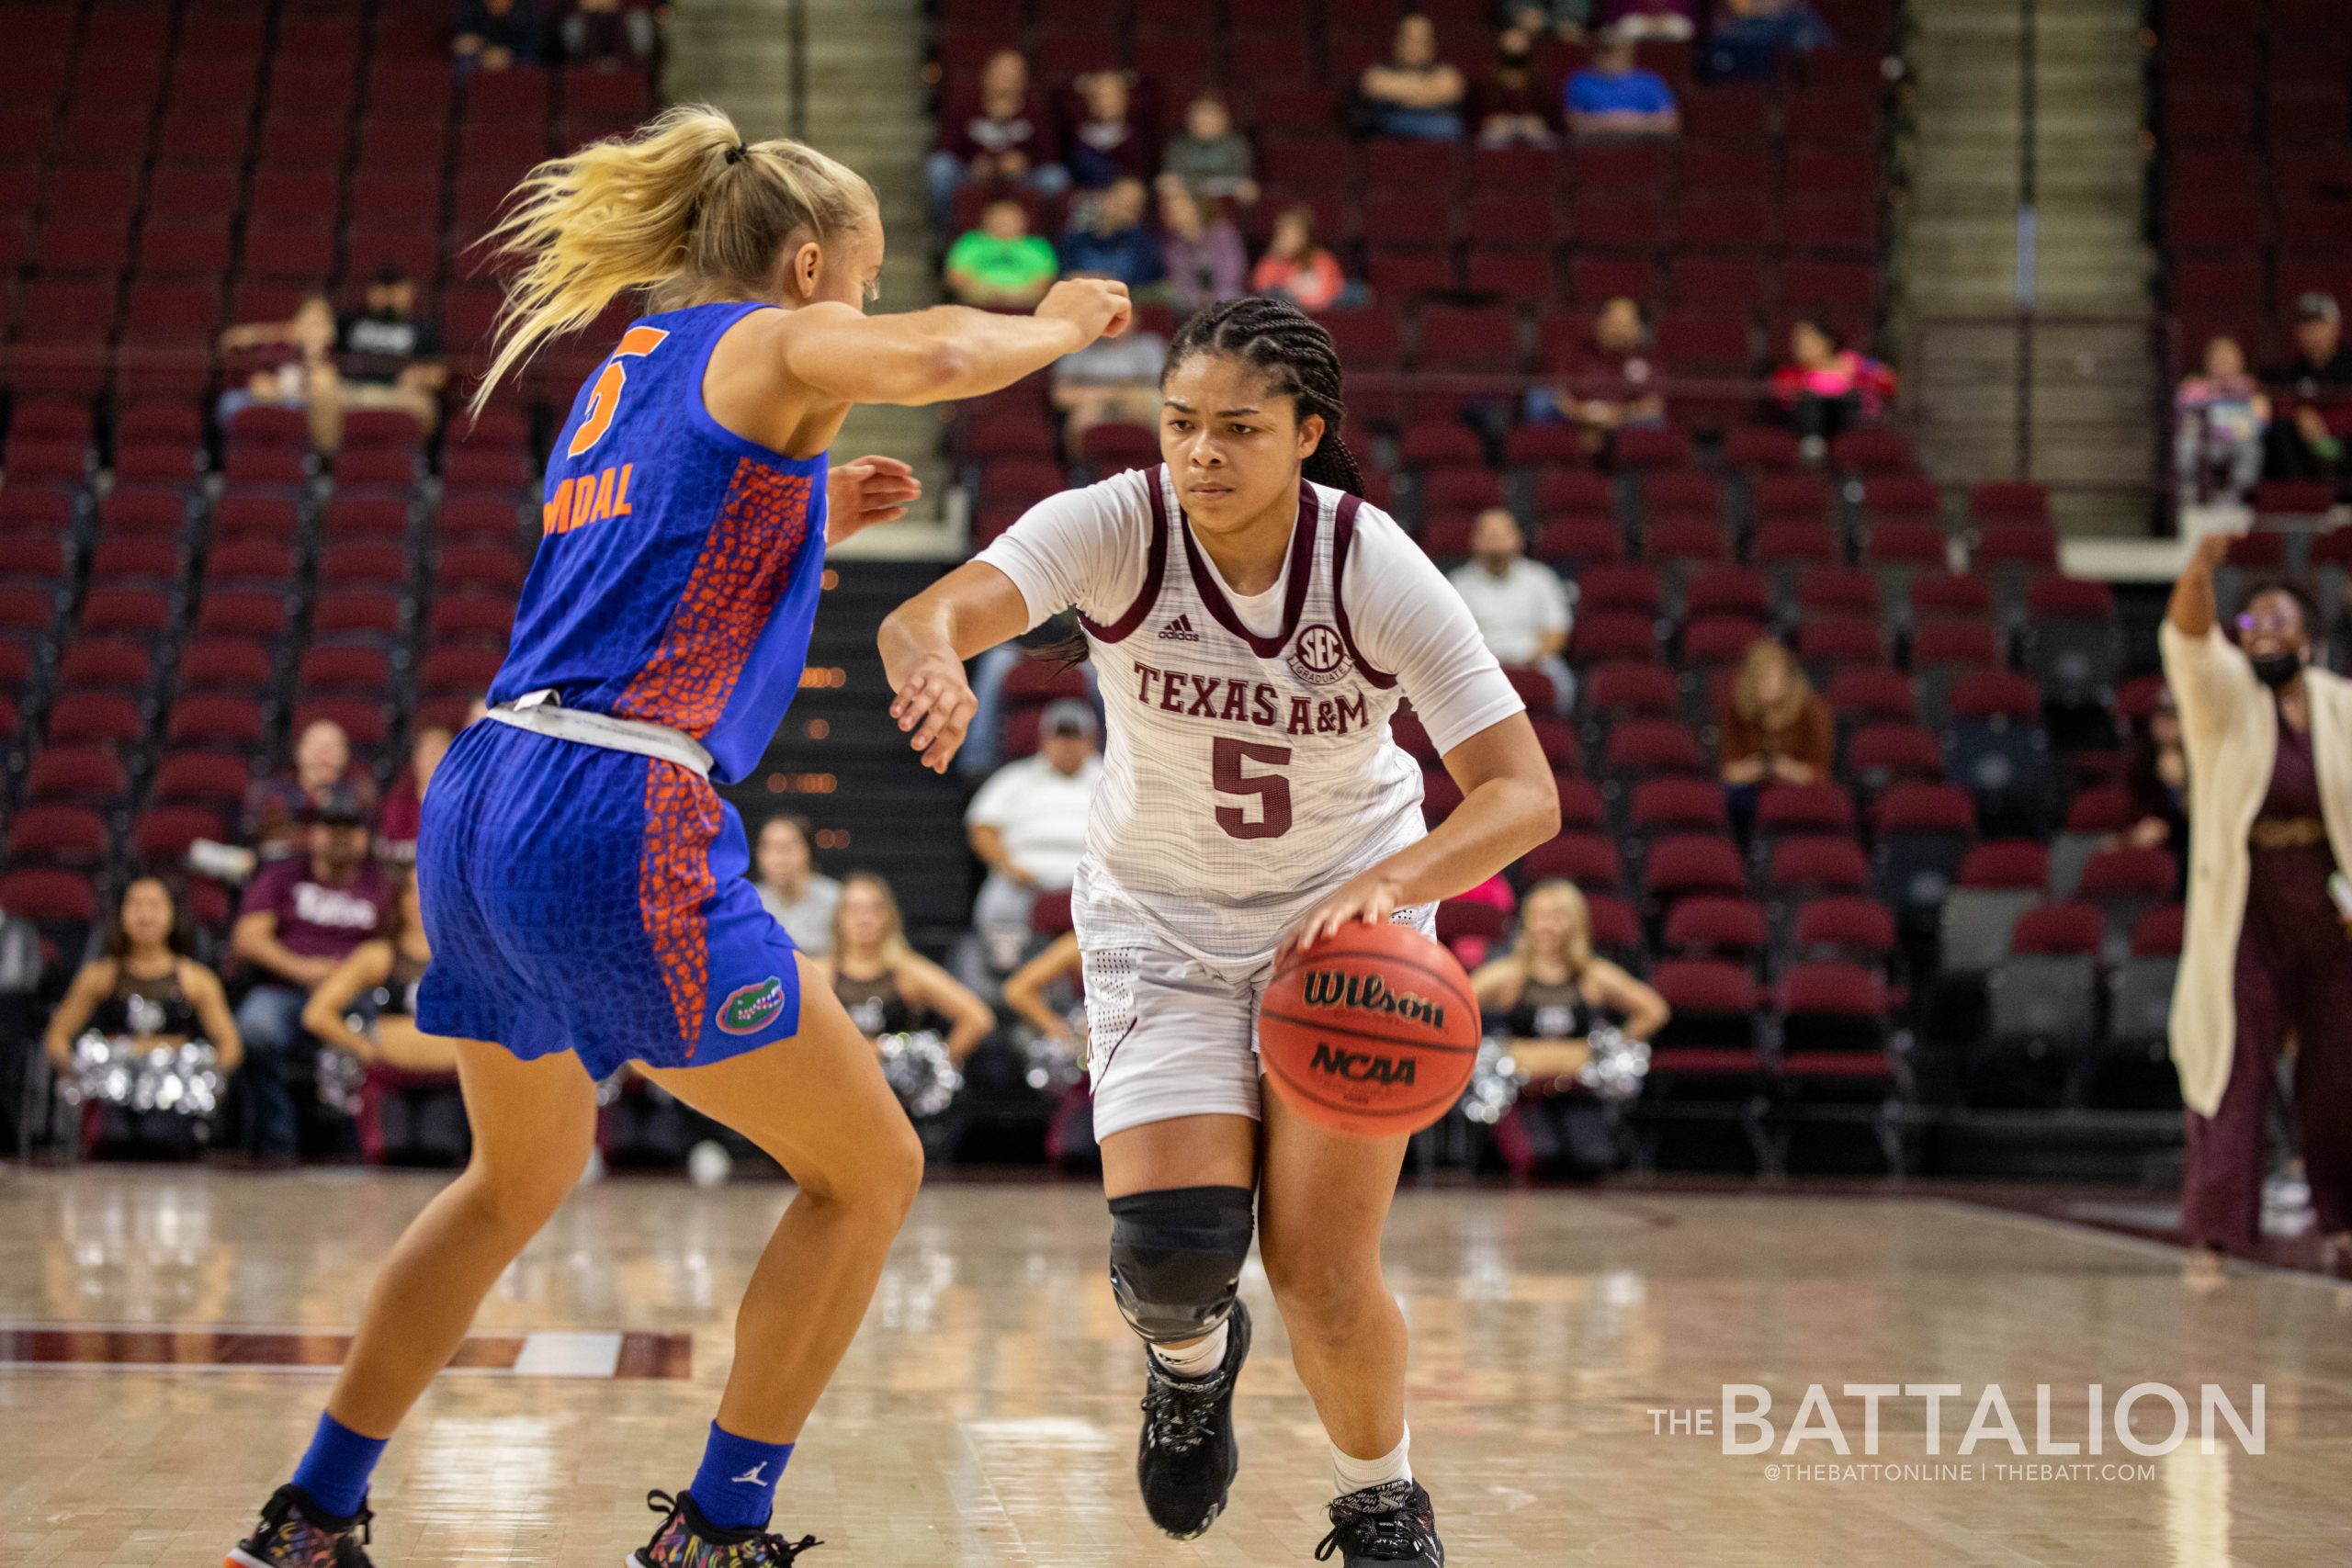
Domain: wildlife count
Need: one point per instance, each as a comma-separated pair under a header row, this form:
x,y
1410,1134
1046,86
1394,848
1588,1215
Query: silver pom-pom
x,y
117,1070
1055,1065
340,1075
1494,1082
920,1072
1616,1066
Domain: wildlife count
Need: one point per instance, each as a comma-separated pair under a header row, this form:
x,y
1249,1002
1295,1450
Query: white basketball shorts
x,y
1168,1032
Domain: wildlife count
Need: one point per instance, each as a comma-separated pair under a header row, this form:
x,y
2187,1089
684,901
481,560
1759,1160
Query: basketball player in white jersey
x,y
1253,624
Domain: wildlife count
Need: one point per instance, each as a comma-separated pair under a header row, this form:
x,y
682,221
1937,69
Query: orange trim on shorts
x,y
673,884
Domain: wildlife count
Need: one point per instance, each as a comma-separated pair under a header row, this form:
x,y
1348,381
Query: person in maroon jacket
x,y
1001,135
301,916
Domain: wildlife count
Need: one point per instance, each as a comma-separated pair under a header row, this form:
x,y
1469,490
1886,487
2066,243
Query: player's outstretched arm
x,y
1509,805
924,643
944,352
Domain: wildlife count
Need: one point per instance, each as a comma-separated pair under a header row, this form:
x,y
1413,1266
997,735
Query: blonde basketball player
x,y
1253,624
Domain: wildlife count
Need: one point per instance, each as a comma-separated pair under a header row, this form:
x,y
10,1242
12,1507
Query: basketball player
x,y
1253,624
582,884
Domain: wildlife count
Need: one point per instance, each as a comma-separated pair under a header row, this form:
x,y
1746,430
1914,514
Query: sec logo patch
x,y
1318,657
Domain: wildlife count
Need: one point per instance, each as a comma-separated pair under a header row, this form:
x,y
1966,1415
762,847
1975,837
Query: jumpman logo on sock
x,y
752,1477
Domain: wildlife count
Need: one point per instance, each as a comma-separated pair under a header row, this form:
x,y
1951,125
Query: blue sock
x,y
735,1488
334,1473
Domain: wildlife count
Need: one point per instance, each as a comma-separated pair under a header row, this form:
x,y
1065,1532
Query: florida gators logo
x,y
1318,657
753,1008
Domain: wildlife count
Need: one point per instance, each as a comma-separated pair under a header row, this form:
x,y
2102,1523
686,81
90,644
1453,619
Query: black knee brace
x,y
1176,1259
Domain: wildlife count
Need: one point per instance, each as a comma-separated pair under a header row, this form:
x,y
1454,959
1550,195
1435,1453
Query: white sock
x,y
1197,1360
1349,1474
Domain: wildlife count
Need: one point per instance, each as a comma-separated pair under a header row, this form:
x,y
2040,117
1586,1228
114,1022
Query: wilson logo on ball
x,y
1368,993
1360,1067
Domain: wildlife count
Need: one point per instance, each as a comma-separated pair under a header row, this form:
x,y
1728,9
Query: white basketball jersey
x,y
1246,775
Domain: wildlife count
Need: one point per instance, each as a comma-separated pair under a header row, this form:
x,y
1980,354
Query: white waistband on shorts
x,y
544,713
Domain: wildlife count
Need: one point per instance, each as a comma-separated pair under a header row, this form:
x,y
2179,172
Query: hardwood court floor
x,y
986,1416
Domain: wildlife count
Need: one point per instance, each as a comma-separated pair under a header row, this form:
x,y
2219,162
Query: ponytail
x,y
1293,349
684,205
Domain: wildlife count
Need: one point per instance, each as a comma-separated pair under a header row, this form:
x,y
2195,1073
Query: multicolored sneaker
x,y
296,1533
1395,1522
685,1539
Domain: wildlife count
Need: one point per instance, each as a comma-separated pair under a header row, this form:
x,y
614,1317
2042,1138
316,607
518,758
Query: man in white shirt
x,y
1521,606
1028,823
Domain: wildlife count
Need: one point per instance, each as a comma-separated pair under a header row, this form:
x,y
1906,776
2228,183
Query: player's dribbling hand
x,y
935,705
1097,307
1369,896
869,490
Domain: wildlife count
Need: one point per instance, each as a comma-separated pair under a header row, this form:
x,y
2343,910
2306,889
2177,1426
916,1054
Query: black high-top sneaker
x,y
296,1533
685,1539
1395,1522
1187,1455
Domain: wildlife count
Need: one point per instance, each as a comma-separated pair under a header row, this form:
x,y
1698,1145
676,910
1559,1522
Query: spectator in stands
x,y
1109,381
608,33
2265,950
884,984
1211,159
1611,384
1028,826
1751,37
1672,21
1414,93
376,980
1545,997
287,358
1775,730
274,807
1298,268
1825,389
1614,98
145,984
2303,446
2156,777
1108,140
498,34
785,865
398,820
2219,416
1565,19
1107,237
1200,251
1521,606
1000,265
301,916
1514,110
385,358
1005,135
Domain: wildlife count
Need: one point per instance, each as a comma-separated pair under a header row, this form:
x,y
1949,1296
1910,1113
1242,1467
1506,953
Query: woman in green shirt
x,y
1000,265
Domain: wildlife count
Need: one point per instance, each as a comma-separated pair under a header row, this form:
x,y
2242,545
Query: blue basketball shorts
x,y
583,899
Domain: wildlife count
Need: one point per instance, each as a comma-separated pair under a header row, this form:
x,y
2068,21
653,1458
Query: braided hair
x,y
1292,351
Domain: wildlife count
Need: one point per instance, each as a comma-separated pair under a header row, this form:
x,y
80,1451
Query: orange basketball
x,y
1370,1032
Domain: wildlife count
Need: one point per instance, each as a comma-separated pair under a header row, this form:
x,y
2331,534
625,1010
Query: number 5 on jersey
x,y
605,400
1273,790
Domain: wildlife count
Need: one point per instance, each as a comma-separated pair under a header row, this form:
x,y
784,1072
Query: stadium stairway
x,y
2093,376
851,83
841,762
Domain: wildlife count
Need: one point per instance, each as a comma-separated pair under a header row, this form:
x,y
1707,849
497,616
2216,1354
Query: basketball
x,y
1370,1032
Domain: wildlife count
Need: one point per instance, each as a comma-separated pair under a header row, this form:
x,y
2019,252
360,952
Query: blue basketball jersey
x,y
677,575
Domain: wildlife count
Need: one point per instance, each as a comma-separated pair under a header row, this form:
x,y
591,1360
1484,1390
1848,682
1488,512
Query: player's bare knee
x,y
1319,1284
1176,1257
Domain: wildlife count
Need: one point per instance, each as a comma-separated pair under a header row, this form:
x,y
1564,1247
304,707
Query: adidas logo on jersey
x,y
1179,630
